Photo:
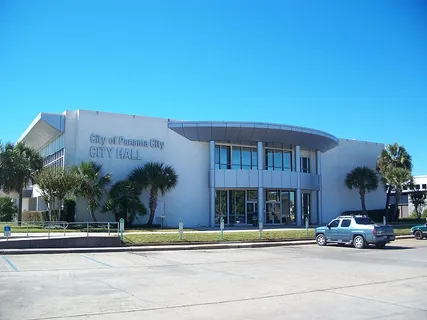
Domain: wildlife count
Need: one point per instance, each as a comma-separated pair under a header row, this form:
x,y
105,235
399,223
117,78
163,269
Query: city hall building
x,y
242,171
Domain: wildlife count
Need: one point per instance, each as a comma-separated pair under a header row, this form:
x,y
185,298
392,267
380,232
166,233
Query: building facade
x,y
406,208
243,172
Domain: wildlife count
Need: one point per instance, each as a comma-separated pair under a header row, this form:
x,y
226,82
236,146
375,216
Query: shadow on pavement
x,y
372,247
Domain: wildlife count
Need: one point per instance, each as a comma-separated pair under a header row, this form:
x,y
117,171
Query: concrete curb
x,y
147,248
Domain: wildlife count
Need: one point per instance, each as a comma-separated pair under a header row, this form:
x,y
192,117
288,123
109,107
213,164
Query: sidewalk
x,y
172,247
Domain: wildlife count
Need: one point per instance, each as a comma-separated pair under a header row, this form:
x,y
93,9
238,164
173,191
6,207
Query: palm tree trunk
x,y
396,203
362,200
92,214
152,205
20,207
387,201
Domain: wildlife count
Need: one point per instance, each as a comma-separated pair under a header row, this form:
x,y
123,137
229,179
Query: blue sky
x,y
356,69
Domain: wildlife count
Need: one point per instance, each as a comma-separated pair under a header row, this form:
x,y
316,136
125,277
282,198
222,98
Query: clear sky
x,y
356,69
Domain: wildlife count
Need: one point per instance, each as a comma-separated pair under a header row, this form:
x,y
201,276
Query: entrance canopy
x,y
252,132
44,128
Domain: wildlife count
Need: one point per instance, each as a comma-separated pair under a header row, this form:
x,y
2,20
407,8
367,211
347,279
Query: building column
x,y
298,193
261,201
319,191
212,183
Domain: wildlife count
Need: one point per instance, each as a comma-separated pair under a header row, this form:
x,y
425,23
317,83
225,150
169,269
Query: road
x,y
301,282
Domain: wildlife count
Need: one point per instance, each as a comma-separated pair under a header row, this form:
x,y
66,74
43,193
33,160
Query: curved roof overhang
x,y
44,128
250,132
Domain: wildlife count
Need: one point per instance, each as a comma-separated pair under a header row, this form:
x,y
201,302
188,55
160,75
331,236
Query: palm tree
x,y
91,184
124,201
364,179
55,184
157,177
19,165
393,156
398,178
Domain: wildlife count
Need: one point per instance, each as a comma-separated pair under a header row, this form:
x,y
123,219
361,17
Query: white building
x,y
405,205
275,172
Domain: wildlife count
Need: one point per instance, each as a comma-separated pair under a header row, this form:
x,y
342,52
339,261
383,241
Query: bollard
x,y
221,227
87,229
384,220
63,227
27,229
108,228
181,228
260,225
122,227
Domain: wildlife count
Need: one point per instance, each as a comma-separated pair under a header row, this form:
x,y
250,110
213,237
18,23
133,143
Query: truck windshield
x,y
364,220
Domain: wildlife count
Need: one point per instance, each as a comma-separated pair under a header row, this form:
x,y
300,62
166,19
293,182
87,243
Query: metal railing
x,y
61,228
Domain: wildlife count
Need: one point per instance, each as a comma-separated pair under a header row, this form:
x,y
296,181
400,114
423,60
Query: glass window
x,y
217,157
272,196
345,223
364,220
424,186
246,158
236,158
224,157
252,195
417,186
269,160
287,160
305,164
254,159
278,160
220,205
334,223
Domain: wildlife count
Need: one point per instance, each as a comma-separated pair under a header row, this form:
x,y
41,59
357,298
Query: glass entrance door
x,y
272,213
288,208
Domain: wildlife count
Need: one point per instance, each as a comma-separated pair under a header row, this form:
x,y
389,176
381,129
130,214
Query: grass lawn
x,y
214,237
227,237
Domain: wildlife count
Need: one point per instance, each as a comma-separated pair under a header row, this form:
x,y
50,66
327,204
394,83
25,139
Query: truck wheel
x,y
359,242
418,235
321,240
380,245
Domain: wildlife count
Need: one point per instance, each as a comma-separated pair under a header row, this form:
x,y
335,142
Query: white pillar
x,y
261,201
212,183
319,192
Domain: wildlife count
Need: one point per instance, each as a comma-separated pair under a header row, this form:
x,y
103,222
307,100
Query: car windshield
x,y
364,220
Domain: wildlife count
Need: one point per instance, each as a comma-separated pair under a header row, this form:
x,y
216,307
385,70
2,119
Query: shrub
x,y
7,209
37,216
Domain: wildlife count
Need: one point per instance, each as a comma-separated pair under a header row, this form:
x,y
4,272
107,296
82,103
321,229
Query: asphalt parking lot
x,y
300,282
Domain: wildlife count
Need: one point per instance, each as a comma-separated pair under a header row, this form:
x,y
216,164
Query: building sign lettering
x,y
120,147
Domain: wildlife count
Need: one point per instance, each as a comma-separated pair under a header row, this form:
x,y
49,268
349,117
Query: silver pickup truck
x,y
359,231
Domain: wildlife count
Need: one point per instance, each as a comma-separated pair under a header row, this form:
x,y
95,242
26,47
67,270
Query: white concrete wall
x,y
336,163
189,200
